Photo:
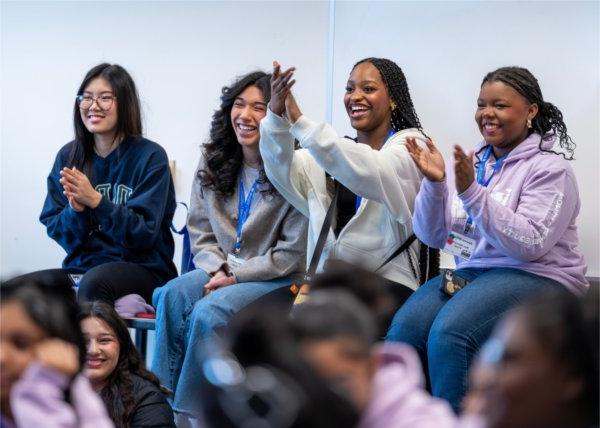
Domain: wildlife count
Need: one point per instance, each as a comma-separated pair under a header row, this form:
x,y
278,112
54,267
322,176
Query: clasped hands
x,y
431,163
78,189
282,101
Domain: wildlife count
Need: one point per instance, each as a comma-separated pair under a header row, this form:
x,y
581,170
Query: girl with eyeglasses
x,y
110,196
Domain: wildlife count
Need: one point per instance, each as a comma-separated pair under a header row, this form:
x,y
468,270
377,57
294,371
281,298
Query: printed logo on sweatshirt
x,y
501,196
120,195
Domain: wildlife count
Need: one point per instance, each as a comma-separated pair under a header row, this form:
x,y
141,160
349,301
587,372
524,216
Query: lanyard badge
x,y
459,244
244,205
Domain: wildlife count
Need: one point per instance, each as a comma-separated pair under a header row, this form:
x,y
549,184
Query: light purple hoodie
x,y
525,218
399,398
38,400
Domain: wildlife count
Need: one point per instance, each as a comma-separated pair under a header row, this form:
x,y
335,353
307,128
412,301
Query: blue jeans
x,y
448,332
185,319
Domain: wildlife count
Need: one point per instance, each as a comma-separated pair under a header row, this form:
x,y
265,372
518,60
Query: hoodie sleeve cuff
x,y
104,207
434,188
469,196
302,129
37,373
275,122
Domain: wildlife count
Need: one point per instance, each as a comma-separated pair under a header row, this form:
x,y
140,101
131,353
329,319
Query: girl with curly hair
x,y
131,393
246,239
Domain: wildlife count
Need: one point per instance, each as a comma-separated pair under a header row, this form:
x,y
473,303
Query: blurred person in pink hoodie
x,y
337,335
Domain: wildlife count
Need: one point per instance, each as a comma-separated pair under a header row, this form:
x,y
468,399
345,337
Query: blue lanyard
x,y
481,176
358,198
243,210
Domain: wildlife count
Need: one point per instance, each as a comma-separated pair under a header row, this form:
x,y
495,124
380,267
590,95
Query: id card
x,y
234,261
460,245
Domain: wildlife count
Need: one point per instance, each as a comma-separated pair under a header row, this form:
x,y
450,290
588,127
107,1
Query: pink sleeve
x,y
38,400
547,203
431,219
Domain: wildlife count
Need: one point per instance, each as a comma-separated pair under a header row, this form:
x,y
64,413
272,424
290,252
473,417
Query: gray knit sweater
x,y
273,238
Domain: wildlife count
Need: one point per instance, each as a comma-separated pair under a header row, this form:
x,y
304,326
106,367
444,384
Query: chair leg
x,y
141,341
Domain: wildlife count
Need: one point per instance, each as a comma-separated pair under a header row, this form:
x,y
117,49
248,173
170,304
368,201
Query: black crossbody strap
x,y
399,250
314,261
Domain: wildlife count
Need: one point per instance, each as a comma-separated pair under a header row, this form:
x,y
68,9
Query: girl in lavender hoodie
x,y
509,219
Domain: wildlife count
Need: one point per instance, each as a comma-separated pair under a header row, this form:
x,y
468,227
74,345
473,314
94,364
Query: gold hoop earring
x,y
393,105
529,123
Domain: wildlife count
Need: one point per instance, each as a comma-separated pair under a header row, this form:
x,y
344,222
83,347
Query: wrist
x,y
96,199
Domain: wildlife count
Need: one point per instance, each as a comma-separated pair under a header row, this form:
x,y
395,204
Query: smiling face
x,y
247,111
367,101
102,351
96,120
502,115
526,386
19,335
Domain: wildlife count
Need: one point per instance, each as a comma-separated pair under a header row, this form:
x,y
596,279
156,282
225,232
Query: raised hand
x,y
58,355
463,169
281,84
429,161
292,111
78,187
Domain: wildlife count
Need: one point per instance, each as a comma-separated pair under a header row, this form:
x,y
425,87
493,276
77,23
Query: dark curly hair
x,y
223,153
129,122
549,120
118,393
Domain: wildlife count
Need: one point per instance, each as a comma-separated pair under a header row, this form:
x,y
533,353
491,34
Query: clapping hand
x,y
281,84
78,189
429,161
463,169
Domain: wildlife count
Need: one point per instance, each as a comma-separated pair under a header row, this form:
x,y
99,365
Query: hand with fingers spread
x,y
281,84
463,169
429,161
78,188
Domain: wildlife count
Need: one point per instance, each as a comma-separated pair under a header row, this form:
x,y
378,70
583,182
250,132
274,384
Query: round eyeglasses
x,y
104,101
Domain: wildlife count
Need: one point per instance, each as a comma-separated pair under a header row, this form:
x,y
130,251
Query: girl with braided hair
x,y
377,181
509,219
132,394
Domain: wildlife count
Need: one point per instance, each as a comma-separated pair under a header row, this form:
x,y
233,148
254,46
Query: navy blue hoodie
x,y
132,221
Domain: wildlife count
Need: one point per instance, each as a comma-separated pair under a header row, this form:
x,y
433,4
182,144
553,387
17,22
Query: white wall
x,y
445,48
181,53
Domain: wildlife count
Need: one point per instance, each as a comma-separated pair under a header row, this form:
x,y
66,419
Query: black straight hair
x,y
129,119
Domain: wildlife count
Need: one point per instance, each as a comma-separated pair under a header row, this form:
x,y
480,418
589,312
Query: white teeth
x,y
358,108
246,128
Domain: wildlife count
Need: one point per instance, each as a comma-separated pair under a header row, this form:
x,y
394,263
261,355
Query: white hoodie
x,y
387,180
